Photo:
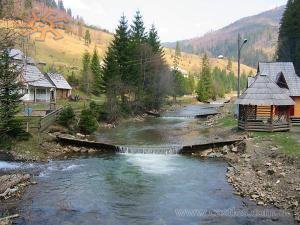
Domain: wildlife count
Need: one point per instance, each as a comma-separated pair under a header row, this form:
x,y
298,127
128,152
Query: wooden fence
x,y
49,119
40,123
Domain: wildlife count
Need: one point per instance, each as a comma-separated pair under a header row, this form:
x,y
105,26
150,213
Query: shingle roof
x,y
288,71
264,92
35,78
20,56
59,81
250,81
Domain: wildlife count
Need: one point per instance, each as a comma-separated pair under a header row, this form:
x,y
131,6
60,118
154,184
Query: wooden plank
x,y
188,150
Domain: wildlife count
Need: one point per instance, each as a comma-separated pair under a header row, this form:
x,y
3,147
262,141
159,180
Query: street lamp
x,y
240,46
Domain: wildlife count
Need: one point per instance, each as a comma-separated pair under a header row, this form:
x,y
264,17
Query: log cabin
x,y
264,106
284,75
63,88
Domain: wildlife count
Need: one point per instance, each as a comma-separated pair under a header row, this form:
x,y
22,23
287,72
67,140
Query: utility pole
x,y
240,46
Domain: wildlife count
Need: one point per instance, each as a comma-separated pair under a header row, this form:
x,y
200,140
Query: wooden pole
x,y
271,116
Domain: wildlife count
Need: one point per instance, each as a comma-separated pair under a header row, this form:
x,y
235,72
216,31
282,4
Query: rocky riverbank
x,y
12,186
261,172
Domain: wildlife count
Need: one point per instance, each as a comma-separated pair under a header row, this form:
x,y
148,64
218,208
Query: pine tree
x,y
10,98
138,30
289,35
205,89
28,4
61,5
121,44
97,73
138,39
87,37
177,81
229,65
111,82
69,12
154,42
86,72
154,90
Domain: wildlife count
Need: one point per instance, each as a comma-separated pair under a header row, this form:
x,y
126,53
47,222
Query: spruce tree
x,y
87,37
121,45
28,4
205,85
97,73
153,92
138,39
289,35
154,42
86,72
111,82
138,30
61,5
10,98
177,81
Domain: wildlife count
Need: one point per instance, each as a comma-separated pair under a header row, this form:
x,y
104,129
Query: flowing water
x,y
147,183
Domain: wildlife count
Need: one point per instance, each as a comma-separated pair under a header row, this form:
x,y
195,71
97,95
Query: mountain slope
x,y
68,51
66,54
261,31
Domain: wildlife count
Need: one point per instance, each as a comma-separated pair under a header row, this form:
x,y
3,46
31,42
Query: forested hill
x,y
66,54
261,30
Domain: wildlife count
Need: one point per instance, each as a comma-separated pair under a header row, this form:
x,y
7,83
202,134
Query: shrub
x,y
87,123
66,117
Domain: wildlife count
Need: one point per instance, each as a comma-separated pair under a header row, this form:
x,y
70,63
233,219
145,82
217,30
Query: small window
x,y
40,91
25,91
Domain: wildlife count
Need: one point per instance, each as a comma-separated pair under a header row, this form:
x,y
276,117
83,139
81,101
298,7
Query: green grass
x,y
31,148
286,141
228,121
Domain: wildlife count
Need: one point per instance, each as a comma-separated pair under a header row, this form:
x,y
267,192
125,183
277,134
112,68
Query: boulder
x,y
206,153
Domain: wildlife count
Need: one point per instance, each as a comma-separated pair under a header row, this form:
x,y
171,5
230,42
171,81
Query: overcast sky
x,y
175,19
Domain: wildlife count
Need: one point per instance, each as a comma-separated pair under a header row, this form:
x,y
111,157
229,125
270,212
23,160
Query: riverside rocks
x,y
65,150
262,173
11,184
266,179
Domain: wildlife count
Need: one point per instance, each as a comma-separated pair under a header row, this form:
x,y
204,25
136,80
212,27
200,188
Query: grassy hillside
x,y
192,63
68,51
261,31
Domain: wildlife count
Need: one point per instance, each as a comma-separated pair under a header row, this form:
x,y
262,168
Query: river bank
x,y
258,168
265,167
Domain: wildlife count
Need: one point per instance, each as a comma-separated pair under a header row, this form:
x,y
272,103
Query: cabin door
x,y
292,110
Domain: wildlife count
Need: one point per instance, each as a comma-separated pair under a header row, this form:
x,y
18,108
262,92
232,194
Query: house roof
x,y
287,69
250,81
33,77
18,55
264,92
59,81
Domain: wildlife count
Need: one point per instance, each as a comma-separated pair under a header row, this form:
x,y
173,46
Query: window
x,y
40,91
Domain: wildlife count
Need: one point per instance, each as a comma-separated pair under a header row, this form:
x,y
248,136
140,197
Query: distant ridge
x,y
261,30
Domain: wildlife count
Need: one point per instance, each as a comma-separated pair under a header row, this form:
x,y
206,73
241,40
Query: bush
x,y
66,117
87,123
95,109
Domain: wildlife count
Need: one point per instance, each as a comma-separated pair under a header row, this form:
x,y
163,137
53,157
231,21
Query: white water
x,y
154,164
153,150
8,166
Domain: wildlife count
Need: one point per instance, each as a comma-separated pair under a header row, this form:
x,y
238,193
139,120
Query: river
x,y
147,184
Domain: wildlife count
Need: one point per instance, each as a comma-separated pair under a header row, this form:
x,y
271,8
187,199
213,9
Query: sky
x,y
174,19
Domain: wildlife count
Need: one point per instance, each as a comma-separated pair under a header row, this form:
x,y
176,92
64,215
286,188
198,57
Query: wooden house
x,y
284,75
37,88
63,88
264,106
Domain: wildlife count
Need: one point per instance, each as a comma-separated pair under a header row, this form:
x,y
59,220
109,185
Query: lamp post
x,y
240,46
